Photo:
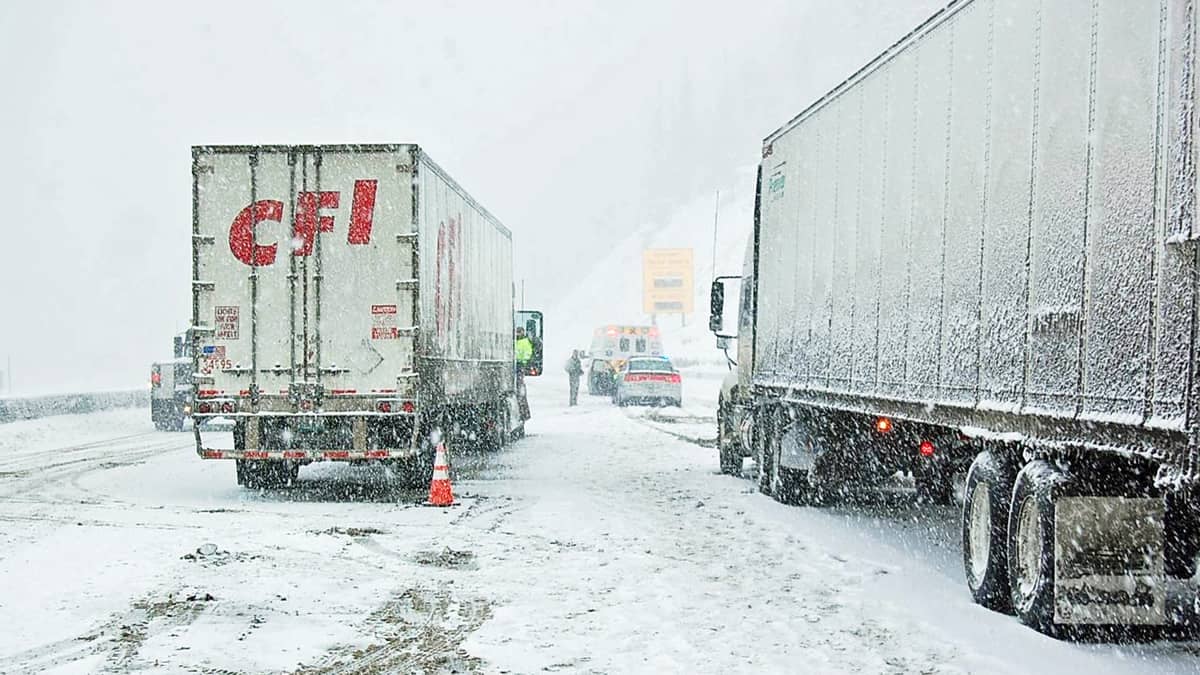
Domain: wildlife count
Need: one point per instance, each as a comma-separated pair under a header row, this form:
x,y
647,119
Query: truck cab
x,y
171,388
733,405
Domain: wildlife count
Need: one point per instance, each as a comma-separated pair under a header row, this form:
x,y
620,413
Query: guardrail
x,y
27,408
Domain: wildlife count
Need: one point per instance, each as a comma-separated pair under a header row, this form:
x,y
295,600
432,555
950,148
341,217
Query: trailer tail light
x,y
204,407
926,449
155,378
227,407
883,425
394,406
306,405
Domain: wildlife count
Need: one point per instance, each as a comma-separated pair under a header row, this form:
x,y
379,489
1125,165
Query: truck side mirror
x,y
716,306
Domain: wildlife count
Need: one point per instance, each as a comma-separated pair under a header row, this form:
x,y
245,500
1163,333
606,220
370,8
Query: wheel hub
x,y
1029,549
979,534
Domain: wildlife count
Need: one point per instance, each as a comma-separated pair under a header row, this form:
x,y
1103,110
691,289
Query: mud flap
x,y
797,451
1108,561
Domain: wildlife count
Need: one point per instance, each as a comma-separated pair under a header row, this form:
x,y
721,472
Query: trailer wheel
x,y
1031,546
240,467
985,532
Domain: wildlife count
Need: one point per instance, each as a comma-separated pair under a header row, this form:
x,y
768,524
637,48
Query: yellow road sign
x,y
667,281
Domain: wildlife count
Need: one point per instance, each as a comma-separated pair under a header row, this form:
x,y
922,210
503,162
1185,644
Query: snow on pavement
x,y
596,544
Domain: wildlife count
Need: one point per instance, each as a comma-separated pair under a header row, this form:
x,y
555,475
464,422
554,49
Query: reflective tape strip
x,y
207,453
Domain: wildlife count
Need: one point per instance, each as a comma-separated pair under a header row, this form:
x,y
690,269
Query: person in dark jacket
x,y
574,371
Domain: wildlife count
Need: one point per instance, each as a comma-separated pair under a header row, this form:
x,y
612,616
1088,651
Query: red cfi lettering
x,y
241,233
362,212
309,220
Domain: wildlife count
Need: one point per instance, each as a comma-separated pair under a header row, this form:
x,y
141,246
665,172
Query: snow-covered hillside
x,y
609,288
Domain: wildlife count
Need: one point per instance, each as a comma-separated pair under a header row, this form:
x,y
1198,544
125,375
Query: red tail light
x,y
408,407
227,407
204,407
384,406
156,378
926,449
671,378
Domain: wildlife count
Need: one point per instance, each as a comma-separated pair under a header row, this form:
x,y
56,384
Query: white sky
x,y
576,123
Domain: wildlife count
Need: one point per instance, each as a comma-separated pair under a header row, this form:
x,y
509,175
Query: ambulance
x,y
612,346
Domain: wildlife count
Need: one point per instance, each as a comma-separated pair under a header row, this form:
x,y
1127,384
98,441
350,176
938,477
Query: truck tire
x,y
729,455
763,439
495,436
985,531
1031,546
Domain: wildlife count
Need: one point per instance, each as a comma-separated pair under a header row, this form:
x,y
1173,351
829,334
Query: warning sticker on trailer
x,y
227,322
383,322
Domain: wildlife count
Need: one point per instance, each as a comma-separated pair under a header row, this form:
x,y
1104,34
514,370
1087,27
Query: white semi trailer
x,y
349,300
981,250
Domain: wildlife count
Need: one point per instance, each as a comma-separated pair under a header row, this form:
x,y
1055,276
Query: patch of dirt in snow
x,y
350,531
118,641
447,558
420,630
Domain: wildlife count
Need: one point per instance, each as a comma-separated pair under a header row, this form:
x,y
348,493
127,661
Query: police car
x,y
648,380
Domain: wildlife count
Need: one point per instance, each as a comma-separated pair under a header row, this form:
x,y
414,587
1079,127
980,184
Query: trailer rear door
x,y
304,268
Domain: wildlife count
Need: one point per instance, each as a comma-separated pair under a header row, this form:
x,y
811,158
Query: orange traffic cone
x,y
439,488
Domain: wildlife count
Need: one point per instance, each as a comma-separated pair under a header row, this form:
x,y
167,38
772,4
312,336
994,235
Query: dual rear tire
x,y
1008,538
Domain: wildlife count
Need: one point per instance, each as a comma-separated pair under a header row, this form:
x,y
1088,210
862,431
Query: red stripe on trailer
x,y
343,391
337,454
294,454
383,391
244,393
378,454
256,454
212,454
207,393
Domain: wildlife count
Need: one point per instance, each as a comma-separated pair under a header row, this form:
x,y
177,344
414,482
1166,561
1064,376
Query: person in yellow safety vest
x,y
524,348
524,354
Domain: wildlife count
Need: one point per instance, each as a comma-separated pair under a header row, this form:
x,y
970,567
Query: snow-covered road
x,y
603,542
